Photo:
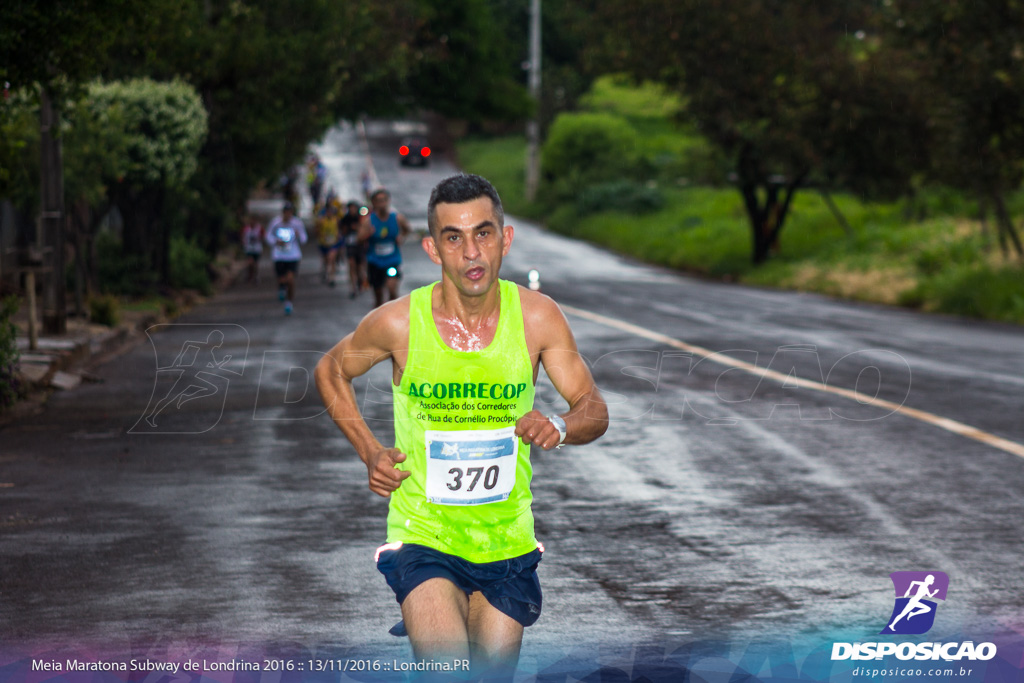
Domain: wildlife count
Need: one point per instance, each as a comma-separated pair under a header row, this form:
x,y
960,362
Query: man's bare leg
x,y
290,285
495,638
435,614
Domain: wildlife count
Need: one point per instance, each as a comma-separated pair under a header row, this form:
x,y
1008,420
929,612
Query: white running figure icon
x,y
914,606
191,376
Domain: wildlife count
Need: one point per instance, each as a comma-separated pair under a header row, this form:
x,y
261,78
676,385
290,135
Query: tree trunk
x,y
767,219
986,237
159,223
827,196
78,220
1005,226
143,235
51,172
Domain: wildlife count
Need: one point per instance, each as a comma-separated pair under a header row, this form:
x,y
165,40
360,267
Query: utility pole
x,y
51,222
533,126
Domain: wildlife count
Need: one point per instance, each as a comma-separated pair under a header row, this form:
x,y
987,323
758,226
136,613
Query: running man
x,y
384,234
461,554
327,239
355,250
914,606
253,235
286,234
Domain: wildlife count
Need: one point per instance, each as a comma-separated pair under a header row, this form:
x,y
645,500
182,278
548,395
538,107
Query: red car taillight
x,y
403,150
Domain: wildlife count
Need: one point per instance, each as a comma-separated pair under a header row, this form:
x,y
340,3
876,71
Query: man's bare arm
x,y
404,228
370,343
365,230
587,418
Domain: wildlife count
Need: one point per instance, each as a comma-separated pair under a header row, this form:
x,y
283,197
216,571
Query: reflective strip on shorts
x,y
387,546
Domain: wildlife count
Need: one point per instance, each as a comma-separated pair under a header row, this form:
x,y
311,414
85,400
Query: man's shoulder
x,y
538,309
388,324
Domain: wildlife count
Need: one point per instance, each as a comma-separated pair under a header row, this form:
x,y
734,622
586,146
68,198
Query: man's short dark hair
x,y
380,190
459,189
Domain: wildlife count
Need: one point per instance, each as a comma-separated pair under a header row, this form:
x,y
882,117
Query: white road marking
x,y
949,425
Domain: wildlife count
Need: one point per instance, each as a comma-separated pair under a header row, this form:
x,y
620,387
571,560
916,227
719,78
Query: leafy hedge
x,y
587,148
619,195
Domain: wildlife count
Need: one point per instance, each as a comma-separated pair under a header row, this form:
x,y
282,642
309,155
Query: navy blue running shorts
x,y
511,586
281,268
378,275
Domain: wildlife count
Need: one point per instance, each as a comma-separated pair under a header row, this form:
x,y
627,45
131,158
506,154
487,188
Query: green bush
x,y
938,200
619,195
105,309
587,148
119,273
503,162
188,263
935,258
976,291
10,388
622,95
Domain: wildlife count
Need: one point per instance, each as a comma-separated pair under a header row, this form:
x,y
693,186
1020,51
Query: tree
x,y
60,44
273,75
19,150
55,46
586,148
565,73
784,87
163,128
460,68
95,158
971,60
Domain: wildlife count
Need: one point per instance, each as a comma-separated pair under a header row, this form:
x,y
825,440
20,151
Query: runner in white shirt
x,y
286,235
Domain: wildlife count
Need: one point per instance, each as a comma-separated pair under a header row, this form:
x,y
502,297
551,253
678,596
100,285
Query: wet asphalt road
x,y
717,506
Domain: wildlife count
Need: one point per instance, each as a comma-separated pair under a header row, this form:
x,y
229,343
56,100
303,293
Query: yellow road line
x,y
921,415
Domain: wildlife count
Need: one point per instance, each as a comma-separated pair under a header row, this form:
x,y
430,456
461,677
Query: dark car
x,y
414,151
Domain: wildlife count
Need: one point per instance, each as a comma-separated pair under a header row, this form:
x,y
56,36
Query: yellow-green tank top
x,y
469,492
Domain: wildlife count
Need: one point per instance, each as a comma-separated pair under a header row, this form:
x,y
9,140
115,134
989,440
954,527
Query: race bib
x,y
384,248
285,234
471,467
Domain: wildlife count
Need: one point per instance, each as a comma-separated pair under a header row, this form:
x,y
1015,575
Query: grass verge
x,y
942,263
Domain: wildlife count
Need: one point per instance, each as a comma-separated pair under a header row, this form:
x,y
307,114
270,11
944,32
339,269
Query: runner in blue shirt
x,y
384,234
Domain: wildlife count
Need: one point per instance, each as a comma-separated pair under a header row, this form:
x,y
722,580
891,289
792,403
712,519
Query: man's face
x,y
469,244
381,202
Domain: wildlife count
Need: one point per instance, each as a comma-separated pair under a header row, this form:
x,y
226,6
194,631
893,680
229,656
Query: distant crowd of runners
x,y
365,240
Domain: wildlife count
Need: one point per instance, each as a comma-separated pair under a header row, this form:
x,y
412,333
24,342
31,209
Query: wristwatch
x,y
559,424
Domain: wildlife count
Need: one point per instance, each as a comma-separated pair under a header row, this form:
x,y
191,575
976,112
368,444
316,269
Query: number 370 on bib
x,y
471,467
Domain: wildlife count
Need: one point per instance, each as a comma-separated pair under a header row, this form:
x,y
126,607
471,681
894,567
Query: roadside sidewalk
x,y
63,362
